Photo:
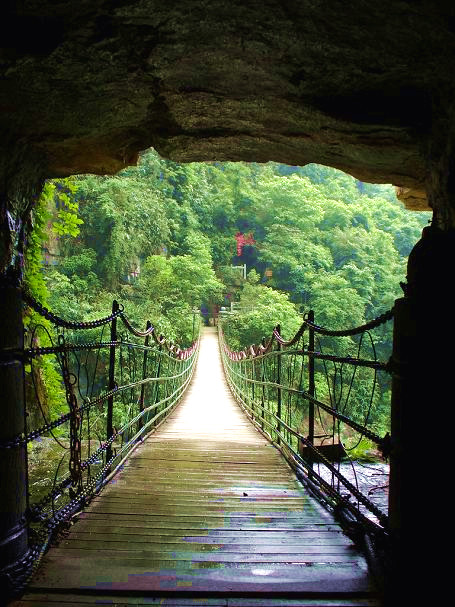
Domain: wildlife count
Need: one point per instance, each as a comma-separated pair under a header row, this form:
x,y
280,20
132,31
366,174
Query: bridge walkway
x,y
206,511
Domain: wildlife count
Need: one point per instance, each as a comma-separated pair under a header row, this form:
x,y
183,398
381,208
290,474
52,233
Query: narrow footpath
x,y
206,511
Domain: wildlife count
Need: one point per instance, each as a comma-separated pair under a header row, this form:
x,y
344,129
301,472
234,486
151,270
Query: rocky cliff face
x,y
86,85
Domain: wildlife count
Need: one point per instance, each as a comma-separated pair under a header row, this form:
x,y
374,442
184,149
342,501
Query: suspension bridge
x,y
219,500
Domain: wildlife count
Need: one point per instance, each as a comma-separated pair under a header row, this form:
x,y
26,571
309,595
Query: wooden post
x,y
13,460
111,385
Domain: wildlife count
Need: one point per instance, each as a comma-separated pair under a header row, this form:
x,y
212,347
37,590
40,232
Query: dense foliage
x,y
161,238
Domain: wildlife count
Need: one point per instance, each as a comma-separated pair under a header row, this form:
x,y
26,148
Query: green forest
x,y
270,241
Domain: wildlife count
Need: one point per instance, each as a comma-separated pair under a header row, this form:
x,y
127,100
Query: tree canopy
x,y
161,237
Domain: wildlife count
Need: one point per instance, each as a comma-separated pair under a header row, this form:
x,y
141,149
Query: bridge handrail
x,y
255,372
153,374
119,312
372,324
259,350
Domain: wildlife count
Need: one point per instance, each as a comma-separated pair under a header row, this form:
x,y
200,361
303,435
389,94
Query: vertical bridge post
x,y
144,374
311,379
410,518
311,382
111,385
13,456
421,415
278,381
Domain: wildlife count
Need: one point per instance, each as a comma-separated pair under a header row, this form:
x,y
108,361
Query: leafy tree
x,y
125,222
181,278
261,309
43,375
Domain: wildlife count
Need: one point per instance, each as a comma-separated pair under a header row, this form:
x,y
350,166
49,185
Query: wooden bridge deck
x,y
206,511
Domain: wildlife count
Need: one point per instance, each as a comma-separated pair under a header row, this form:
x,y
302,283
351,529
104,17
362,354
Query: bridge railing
x,y
112,386
305,400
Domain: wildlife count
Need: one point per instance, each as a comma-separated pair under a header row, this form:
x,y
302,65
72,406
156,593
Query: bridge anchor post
x,y
422,394
14,543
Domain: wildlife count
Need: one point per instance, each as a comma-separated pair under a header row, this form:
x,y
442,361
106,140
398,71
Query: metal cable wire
x,y
67,324
254,350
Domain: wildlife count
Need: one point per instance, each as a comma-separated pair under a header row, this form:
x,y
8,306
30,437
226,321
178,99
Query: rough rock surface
x,y
86,85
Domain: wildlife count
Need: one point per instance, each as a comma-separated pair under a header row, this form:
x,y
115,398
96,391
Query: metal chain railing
x,y
276,384
110,399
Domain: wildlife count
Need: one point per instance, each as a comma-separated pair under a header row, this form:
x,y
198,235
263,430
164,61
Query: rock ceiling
x,y
86,85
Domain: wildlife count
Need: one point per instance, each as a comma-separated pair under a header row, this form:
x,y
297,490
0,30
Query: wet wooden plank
x,y
100,558
259,525
145,548
72,600
205,505
202,509
214,537
145,575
